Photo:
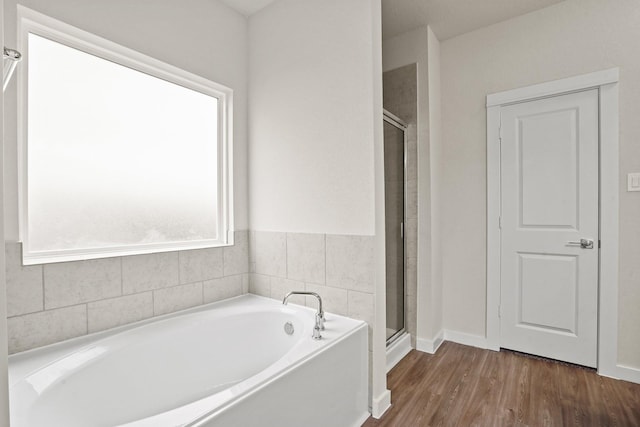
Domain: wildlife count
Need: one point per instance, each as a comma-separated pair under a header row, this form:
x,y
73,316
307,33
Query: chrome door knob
x,y
583,243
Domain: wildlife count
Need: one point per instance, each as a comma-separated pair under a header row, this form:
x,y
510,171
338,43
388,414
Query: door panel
x,y
549,182
549,193
542,275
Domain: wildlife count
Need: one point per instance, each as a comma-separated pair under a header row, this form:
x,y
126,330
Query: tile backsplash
x,y
340,268
53,302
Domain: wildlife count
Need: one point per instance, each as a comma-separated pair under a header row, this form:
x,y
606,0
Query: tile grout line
x,y
325,260
121,278
224,249
179,256
286,255
43,290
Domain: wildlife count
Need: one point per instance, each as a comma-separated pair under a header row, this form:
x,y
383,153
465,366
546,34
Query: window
x,y
121,154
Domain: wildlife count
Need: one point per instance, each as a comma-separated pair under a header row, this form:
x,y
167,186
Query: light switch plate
x,y
633,182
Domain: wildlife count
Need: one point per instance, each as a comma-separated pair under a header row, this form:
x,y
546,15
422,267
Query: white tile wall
x,y
46,327
350,262
245,283
334,300
306,257
236,260
259,284
252,251
54,302
281,287
65,300
118,311
176,298
147,272
201,264
223,288
361,306
344,263
25,290
270,253
70,283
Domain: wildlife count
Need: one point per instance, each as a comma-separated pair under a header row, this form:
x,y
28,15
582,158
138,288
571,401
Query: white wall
x,y
315,123
201,36
381,396
571,38
436,168
311,122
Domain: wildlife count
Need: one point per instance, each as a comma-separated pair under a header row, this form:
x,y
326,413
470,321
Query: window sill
x,y
37,258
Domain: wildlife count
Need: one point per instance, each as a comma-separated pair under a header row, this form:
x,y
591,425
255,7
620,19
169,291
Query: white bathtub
x,y
225,364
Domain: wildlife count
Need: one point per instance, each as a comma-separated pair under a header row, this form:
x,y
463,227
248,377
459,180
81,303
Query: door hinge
x,y
500,222
599,244
499,311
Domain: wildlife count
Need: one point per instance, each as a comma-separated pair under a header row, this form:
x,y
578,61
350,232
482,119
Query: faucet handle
x,y
319,324
320,319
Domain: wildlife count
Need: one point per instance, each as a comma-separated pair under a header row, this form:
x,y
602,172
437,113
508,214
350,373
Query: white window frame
x,y
30,21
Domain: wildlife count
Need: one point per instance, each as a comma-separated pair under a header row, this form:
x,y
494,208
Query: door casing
x,y
607,84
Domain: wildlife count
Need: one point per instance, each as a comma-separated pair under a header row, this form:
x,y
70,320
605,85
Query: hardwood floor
x,y
466,386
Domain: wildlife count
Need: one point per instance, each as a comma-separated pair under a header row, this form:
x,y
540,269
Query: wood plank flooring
x,y
467,386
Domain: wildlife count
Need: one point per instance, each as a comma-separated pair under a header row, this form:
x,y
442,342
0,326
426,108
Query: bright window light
x,y
117,160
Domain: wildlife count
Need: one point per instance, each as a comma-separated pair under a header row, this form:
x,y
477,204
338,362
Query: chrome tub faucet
x,y
319,324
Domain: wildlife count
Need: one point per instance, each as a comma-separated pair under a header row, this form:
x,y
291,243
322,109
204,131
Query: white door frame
x,y
607,83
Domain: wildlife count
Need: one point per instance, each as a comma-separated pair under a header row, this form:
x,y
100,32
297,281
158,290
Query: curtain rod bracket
x,y
14,57
11,54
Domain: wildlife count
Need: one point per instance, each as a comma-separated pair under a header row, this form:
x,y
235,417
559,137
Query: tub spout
x,y
319,323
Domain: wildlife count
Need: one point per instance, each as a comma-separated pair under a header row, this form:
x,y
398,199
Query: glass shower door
x,y
394,182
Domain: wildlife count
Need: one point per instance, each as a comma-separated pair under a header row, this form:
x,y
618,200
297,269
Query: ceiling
x,y
447,18
247,7
450,18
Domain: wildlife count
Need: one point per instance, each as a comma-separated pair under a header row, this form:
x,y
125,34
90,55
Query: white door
x,y
549,183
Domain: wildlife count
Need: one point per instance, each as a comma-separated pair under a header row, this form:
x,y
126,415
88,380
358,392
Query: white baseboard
x,y
380,404
430,346
466,339
399,349
621,372
362,420
627,373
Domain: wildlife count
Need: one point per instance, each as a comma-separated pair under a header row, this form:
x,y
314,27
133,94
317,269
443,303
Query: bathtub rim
x,y
57,350
24,364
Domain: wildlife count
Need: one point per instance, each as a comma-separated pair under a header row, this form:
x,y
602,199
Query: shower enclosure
x,y
394,187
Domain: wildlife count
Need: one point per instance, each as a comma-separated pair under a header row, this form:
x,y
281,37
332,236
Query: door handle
x,y
583,243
